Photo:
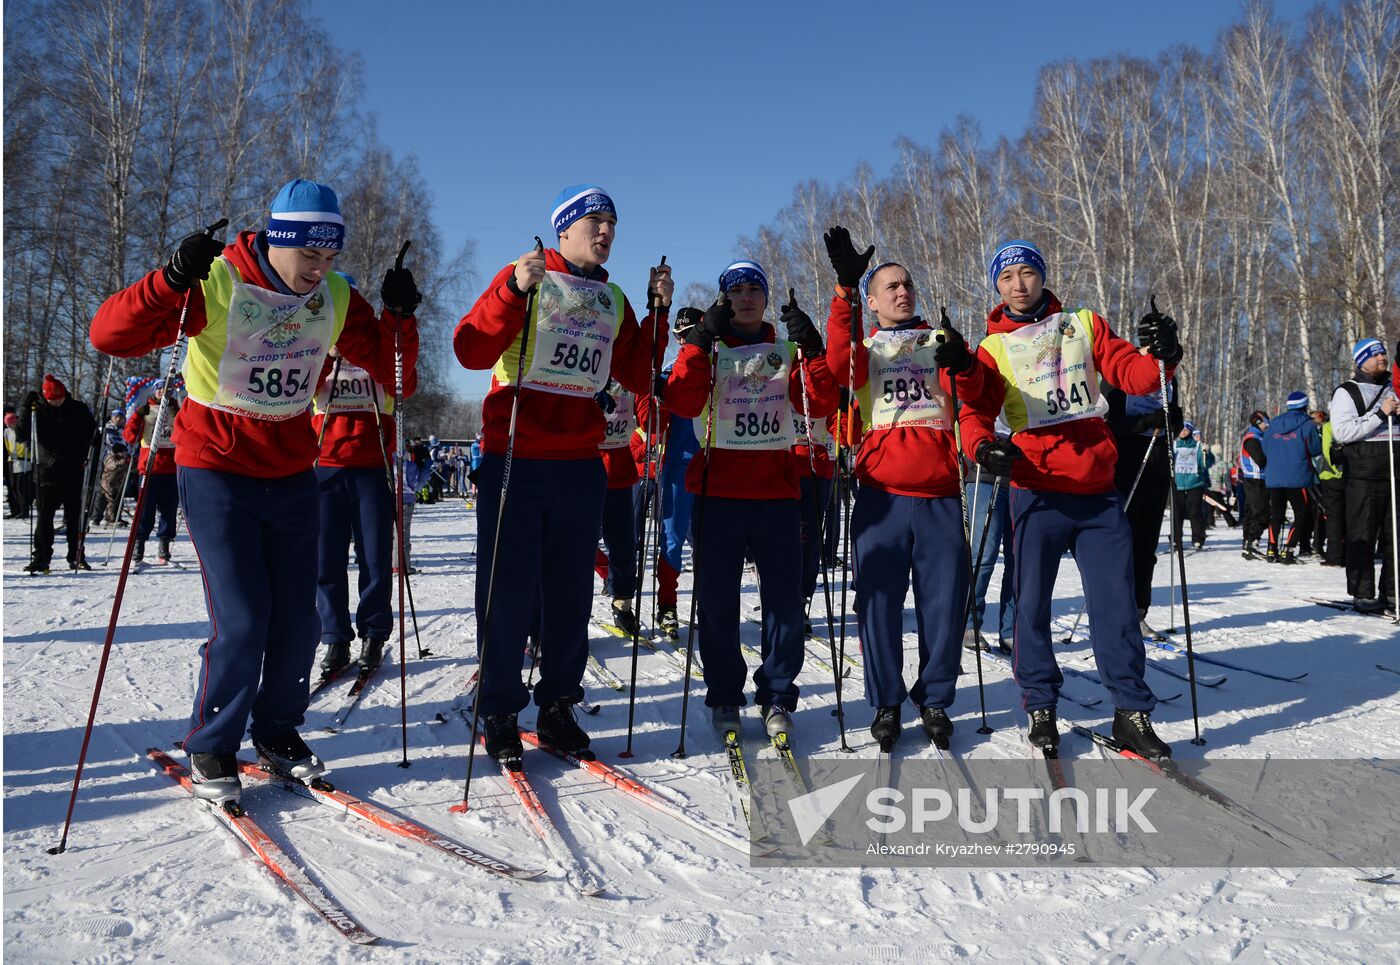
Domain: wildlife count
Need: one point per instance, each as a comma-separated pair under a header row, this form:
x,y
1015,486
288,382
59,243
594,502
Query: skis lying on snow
x,y
1349,607
649,640
585,882
1173,648
352,697
640,791
1076,672
739,771
1204,680
1168,770
323,792
273,858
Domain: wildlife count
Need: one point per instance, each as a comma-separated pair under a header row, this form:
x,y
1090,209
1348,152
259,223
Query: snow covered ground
x,y
150,876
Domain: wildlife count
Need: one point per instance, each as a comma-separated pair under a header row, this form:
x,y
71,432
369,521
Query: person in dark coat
x,y
65,428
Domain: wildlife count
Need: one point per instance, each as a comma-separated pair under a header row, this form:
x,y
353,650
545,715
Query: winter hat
x,y
577,200
1298,400
306,215
869,276
1367,349
743,273
1016,252
686,319
1190,427
11,420
54,390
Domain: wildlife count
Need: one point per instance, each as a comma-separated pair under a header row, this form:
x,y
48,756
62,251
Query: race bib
x,y
273,355
820,434
1052,367
354,390
148,429
904,389
621,423
752,410
575,322
1187,462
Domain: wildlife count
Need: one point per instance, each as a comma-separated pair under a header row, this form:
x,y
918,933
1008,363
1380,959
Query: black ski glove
x,y
715,320
658,387
800,328
850,265
952,353
399,293
144,411
998,455
606,402
192,260
1157,332
1156,419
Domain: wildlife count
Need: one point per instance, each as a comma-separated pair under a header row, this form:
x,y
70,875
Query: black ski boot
x,y
80,565
215,778
503,740
669,622
623,617
558,727
886,727
937,726
1271,555
288,755
336,659
973,640
35,568
163,554
140,554
1134,728
371,653
1045,731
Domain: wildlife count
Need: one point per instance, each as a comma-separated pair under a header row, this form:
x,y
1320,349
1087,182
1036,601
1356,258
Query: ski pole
x,y
403,565
699,531
656,310
1132,491
126,561
846,472
1198,740
836,667
33,472
947,323
971,599
401,552
1394,531
330,402
484,619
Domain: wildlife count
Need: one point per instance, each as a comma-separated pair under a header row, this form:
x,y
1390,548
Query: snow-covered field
x,y
150,876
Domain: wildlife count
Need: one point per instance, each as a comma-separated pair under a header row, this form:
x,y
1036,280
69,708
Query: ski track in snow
x,y
149,876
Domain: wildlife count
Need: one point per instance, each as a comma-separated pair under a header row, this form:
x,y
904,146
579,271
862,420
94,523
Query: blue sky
x,y
700,118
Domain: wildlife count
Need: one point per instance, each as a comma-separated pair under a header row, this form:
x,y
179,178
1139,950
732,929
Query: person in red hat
x,y
65,428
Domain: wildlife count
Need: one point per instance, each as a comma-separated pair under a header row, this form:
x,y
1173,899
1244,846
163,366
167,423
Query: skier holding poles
x,y
908,515
749,501
263,311
1045,364
356,432
550,354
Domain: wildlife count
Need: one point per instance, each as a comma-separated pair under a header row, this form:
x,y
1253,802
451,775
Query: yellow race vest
x,y
574,325
1049,371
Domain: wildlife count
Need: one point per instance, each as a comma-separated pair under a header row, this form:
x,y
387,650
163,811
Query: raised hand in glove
x,y
399,292
998,455
952,353
850,265
712,324
192,260
1157,333
606,402
800,328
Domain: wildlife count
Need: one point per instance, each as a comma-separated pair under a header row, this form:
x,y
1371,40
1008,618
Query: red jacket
x,y
549,425
905,460
146,316
136,427
349,441
1072,457
764,474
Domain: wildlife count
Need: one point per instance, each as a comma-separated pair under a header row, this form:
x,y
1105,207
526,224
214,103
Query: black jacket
x,y
65,437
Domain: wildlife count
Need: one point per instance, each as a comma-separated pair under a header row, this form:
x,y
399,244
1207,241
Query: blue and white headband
x,y
306,215
743,273
1367,349
576,201
1018,252
869,276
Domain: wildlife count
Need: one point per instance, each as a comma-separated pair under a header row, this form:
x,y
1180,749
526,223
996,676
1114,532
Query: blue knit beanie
x,y
577,200
743,273
1367,349
1298,400
306,215
1018,252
